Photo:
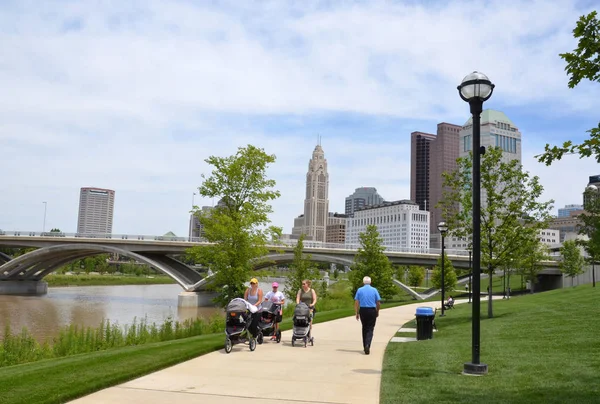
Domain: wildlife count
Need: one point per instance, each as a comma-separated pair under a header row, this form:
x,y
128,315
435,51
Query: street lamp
x,y
443,228
475,89
44,225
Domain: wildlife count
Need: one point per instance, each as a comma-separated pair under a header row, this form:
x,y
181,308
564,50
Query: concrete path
x,y
334,370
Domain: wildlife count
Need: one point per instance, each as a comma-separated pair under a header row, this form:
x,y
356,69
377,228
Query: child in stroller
x,y
269,316
301,327
241,324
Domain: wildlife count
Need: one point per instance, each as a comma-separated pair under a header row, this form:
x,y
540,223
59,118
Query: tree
x,y
55,231
590,227
415,276
449,274
582,63
510,211
300,269
371,261
239,224
530,262
572,260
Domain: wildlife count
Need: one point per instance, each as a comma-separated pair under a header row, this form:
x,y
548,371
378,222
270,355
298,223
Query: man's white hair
x,y
367,280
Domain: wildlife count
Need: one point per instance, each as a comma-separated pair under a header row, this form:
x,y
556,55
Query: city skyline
x,y
99,101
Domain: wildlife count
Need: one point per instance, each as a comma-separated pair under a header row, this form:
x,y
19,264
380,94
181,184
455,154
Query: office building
x,y
401,224
96,208
336,228
298,227
566,211
363,196
420,153
316,203
496,130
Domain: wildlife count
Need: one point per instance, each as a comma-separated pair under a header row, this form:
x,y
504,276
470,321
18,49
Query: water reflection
x,y
87,306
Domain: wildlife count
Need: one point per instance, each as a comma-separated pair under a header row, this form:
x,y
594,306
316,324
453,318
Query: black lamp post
x,y
470,275
443,228
475,89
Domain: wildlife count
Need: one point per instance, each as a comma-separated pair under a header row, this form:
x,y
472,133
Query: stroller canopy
x,y
269,307
301,310
236,305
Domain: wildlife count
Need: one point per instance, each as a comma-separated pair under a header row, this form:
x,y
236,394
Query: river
x,y
44,316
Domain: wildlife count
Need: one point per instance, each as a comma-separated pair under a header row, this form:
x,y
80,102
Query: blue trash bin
x,y
425,317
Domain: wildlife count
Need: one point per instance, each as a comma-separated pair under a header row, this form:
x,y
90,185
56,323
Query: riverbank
x,y
106,280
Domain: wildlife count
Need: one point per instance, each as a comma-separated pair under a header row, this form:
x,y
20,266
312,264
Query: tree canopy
x,y
582,63
572,260
371,261
239,225
300,269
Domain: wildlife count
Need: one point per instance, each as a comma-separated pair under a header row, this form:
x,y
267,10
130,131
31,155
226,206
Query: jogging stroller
x,y
269,316
239,325
301,328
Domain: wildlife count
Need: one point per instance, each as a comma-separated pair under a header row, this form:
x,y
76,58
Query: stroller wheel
x,y
278,336
260,338
305,341
293,342
252,344
228,345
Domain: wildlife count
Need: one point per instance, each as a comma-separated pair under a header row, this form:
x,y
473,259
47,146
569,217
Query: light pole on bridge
x,y
45,209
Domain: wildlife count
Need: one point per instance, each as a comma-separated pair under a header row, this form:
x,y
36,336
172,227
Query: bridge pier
x,y
24,287
196,299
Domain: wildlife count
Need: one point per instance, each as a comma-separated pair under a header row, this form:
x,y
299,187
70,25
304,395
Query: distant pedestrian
x,y
366,305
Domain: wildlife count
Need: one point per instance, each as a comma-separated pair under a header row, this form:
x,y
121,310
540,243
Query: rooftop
x,y
492,116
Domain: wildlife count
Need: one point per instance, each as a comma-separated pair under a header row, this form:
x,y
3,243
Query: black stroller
x,y
301,328
239,325
269,316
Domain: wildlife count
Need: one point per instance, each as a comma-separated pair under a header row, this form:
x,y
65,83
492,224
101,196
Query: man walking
x,y
366,306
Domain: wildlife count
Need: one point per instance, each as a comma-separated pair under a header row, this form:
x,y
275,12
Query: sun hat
x,y
253,280
275,285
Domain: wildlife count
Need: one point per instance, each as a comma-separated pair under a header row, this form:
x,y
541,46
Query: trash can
x,y
425,317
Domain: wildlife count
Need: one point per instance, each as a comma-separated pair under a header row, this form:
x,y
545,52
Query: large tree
x,y
300,269
239,226
590,227
371,261
510,209
572,260
582,63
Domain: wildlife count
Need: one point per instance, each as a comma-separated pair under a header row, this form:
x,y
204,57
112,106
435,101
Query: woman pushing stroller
x,y
308,296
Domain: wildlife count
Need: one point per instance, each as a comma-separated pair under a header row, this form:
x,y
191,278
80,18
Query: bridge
x,y
24,274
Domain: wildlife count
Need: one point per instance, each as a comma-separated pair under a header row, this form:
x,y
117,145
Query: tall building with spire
x,y
316,203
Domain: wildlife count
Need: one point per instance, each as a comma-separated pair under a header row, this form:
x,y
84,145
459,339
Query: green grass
x,y
105,280
540,348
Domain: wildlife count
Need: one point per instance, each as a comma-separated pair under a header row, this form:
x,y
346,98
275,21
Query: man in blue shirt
x,y
366,306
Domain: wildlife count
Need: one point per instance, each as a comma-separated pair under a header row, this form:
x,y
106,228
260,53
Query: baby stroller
x,y
238,325
269,316
301,320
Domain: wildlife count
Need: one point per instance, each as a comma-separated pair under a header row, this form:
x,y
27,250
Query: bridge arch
x,y
271,259
35,265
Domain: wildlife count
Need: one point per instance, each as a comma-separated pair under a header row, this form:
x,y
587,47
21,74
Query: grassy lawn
x,y
105,280
540,348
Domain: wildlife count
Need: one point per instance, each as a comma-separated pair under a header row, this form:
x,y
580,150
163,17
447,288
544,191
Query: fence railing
x,y
313,245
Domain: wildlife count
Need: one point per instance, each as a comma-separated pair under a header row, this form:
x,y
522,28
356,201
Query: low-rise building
x,y
336,228
400,224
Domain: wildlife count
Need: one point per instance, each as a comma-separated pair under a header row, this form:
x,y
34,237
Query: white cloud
x,y
134,96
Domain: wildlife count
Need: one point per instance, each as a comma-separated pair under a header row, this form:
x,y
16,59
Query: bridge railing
x,y
314,245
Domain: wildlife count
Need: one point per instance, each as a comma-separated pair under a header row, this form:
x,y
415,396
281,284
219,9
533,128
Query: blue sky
x,y
133,96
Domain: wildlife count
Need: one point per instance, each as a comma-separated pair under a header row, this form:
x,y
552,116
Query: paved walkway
x,y
334,370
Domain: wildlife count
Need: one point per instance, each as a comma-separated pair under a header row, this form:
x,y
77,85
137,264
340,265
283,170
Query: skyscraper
x,y
431,156
444,152
364,196
316,203
96,207
496,130
420,149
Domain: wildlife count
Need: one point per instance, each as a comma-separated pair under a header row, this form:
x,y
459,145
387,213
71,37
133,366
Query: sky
x,y
134,96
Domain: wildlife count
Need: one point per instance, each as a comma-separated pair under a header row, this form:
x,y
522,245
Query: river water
x,y
44,316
